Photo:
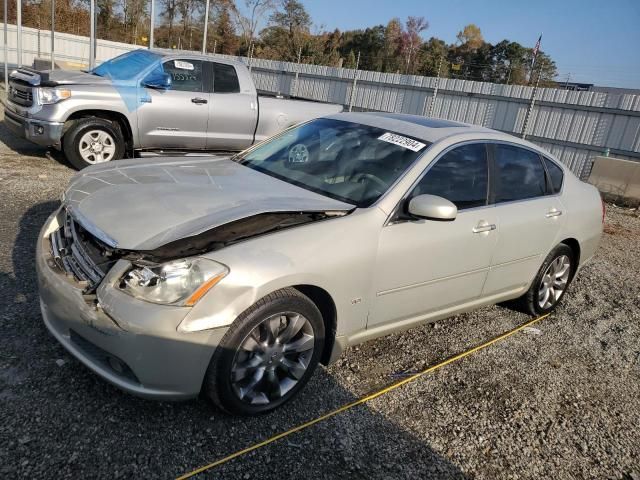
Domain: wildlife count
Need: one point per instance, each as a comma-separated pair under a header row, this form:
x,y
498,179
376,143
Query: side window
x,y
555,173
519,174
225,79
460,176
186,75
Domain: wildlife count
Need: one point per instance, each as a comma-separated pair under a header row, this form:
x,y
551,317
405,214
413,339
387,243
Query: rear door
x,y
530,216
233,113
176,118
426,266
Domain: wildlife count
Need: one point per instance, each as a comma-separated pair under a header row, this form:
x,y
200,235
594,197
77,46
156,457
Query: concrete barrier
x,y
618,180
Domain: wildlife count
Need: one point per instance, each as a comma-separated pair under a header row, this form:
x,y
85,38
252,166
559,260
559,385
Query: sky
x,y
593,41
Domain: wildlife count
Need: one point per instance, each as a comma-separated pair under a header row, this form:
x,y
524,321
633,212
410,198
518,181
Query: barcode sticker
x,y
405,142
183,65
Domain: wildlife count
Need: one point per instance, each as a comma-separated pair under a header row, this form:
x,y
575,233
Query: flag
x,y
535,51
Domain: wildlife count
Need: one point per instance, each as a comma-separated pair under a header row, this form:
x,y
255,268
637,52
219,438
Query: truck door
x,y
175,118
233,112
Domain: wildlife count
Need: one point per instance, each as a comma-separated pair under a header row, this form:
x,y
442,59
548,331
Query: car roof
x,y
426,128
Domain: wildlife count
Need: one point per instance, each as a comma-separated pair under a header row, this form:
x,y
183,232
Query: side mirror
x,y
432,207
161,81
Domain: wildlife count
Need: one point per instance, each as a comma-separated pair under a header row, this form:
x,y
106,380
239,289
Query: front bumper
x,y
132,344
47,134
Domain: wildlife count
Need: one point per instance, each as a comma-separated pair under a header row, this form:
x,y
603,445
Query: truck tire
x,y
93,140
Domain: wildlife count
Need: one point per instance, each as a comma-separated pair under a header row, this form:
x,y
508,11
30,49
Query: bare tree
x,y
255,12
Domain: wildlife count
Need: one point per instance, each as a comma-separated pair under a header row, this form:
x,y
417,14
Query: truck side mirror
x,y
160,80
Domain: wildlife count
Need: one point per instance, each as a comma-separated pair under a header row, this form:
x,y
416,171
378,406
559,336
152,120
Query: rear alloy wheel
x,y
93,140
551,282
267,355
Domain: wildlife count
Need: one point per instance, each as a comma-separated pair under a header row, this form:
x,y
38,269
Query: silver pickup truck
x,y
148,100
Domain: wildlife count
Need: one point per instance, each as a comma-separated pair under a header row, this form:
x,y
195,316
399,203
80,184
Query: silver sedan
x,y
237,276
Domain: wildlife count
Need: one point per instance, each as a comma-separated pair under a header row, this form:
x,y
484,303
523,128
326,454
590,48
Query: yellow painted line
x,y
360,401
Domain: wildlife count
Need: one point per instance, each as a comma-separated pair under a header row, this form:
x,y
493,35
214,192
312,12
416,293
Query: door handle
x,y
199,101
553,213
484,228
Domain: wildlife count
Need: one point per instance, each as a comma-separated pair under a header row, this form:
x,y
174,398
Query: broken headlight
x,y
180,282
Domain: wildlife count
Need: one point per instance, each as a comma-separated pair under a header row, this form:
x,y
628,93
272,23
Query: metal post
x,y
533,102
250,56
355,80
566,84
295,90
19,25
6,50
435,90
215,44
152,20
206,25
92,34
53,33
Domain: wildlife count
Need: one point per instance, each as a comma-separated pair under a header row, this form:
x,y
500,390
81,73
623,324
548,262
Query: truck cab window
x,y
225,79
186,75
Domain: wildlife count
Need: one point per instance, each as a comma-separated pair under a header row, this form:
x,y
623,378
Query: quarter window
x,y
186,75
225,79
460,176
519,174
555,175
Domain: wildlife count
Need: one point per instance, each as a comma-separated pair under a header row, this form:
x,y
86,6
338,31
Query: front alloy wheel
x,y
272,358
268,354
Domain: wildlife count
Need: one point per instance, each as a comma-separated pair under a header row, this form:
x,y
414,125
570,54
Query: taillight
x,y
604,209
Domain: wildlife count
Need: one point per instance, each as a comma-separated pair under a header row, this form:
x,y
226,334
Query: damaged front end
x,y
86,257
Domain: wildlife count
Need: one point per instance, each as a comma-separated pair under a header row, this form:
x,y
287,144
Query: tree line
x,y
284,30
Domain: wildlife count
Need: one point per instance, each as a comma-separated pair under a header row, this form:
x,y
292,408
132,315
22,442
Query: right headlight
x,y
179,282
48,96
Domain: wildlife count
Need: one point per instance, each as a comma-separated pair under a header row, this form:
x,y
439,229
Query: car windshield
x,y
347,161
127,66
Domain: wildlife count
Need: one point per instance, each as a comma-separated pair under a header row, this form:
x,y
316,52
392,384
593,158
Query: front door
x,y
176,118
428,266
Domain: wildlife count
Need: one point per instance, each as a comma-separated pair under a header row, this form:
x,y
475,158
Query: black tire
x,y
73,136
217,384
530,301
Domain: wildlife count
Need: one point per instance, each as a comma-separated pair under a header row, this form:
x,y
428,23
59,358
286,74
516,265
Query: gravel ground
x,y
562,401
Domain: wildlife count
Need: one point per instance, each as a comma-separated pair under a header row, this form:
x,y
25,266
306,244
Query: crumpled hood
x,y
138,205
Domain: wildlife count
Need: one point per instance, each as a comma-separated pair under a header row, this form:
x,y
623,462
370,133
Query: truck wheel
x,y
93,140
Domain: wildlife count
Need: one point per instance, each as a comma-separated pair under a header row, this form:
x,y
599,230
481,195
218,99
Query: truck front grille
x,y
21,94
80,255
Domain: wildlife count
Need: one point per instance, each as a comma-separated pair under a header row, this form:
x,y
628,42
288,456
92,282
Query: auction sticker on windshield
x,y
405,142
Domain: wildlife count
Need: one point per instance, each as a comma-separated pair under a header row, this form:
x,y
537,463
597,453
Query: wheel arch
x,y
325,303
574,245
117,117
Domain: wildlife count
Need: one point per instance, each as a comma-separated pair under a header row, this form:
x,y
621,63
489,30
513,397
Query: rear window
x,y
519,174
556,175
225,79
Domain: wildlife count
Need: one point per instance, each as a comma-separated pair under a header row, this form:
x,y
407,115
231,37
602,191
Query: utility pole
x,y
533,102
92,34
295,90
509,75
355,80
250,55
566,84
19,25
215,44
435,91
206,25
6,50
152,22
53,33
